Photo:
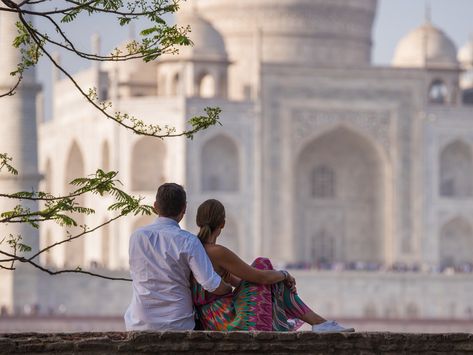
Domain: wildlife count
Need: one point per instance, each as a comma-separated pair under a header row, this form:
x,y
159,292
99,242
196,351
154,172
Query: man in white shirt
x,y
162,258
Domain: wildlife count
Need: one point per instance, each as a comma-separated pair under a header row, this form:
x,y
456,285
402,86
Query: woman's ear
x,y
223,225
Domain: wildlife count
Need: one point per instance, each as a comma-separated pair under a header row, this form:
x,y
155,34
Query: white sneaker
x,y
330,326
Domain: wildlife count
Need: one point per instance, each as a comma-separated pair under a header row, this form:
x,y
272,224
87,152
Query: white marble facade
x,y
322,157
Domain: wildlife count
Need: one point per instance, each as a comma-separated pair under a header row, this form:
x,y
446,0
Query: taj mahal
x,y
322,157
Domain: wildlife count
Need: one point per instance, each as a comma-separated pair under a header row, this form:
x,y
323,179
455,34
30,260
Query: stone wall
x,y
236,343
69,324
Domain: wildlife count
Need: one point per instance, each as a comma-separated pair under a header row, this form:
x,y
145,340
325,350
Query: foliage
x,y
63,210
158,39
33,43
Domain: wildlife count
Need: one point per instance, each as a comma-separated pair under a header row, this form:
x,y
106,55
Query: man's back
x,y
162,256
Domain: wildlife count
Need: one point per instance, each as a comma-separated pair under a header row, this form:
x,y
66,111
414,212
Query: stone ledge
x,y
196,342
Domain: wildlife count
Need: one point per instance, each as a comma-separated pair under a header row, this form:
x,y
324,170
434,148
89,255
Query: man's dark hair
x,y
170,200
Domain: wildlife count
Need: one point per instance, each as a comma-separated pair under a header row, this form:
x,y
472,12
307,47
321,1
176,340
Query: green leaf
x,y
124,21
23,248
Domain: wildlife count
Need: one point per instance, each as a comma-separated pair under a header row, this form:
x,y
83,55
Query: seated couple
x,y
175,273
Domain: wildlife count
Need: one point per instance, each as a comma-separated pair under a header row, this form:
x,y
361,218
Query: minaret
x,y
18,138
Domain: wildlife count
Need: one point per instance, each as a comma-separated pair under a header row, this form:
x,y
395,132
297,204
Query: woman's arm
x,y
229,261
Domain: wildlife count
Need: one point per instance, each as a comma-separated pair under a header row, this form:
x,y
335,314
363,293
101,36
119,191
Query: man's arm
x,y
203,271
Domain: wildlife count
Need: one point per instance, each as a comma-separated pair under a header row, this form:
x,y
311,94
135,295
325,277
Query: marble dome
x,y
207,41
311,32
426,46
465,54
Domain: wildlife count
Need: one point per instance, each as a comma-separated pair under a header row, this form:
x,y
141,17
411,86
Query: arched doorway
x,y
206,86
74,250
220,165
456,243
456,170
339,199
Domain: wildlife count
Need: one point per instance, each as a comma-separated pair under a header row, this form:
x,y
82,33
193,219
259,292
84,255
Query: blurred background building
x,y
358,176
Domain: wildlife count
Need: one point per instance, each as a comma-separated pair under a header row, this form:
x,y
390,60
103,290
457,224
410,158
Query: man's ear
x,y
155,205
182,213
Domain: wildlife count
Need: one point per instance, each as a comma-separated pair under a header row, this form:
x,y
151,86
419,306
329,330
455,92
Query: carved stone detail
x,y
375,124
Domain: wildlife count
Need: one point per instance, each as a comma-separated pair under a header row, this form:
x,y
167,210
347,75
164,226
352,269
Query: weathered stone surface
x,y
459,337
144,337
235,343
465,347
95,344
216,335
227,347
264,335
60,346
6,345
239,336
291,336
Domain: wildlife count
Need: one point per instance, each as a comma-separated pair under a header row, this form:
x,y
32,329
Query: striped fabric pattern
x,y
250,306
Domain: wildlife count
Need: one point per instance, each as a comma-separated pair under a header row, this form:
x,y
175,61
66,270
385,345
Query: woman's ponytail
x,y
210,215
204,233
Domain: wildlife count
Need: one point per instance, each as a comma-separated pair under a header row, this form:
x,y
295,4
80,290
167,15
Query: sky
x,y
395,18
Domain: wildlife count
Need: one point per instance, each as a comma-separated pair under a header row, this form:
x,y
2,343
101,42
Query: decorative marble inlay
x,y
375,124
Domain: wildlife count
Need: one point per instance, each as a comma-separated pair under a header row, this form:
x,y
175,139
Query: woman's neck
x,y
212,238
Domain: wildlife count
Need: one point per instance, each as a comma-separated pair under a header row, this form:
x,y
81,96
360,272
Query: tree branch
x,y
75,236
11,92
50,272
69,46
118,118
23,195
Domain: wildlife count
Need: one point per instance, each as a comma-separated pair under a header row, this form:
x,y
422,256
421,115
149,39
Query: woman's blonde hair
x,y
210,215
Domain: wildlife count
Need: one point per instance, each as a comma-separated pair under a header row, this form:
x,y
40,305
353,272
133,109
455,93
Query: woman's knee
x,y
262,263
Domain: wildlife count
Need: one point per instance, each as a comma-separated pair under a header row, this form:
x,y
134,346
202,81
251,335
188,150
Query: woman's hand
x,y
230,279
290,282
226,276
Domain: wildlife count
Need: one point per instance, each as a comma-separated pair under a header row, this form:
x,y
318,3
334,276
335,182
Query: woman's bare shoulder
x,y
216,250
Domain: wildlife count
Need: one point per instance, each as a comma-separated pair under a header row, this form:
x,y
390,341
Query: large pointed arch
x,y
75,167
456,170
147,164
220,165
342,210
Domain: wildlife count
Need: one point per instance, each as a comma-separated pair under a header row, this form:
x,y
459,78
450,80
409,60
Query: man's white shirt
x,y
162,257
